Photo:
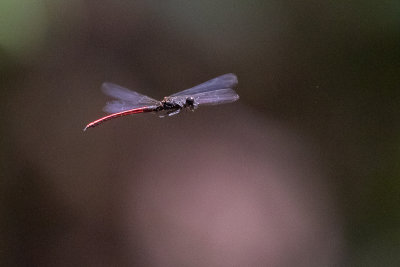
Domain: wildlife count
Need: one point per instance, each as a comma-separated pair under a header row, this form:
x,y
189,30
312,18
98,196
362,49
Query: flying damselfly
x,y
213,92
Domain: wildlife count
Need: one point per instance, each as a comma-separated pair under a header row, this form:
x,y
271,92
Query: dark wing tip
x,y
107,87
231,78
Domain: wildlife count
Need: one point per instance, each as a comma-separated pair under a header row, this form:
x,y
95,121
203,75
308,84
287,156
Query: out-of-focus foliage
x,y
23,27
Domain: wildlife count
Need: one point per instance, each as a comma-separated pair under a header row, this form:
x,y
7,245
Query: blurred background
x,y
302,171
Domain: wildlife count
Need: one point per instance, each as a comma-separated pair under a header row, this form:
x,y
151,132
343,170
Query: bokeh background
x,y
302,171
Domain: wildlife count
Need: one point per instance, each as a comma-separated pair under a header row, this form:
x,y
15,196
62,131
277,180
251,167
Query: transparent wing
x,y
116,106
127,99
224,81
216,97
125,94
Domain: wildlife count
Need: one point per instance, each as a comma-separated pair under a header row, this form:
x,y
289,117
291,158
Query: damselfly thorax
x,y
179,102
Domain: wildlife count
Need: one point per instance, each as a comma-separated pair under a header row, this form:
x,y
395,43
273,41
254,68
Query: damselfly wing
x,y
125,99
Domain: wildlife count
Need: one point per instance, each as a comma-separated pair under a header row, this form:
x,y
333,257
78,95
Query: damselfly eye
x,y
189,101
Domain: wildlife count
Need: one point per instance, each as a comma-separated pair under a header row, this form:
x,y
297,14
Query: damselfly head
x,y
189,101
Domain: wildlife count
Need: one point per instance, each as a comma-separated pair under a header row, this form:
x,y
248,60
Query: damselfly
x,y
213,92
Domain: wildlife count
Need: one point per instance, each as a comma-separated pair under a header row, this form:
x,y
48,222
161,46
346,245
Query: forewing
x,y
127,99
216,97
224,81
119,106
